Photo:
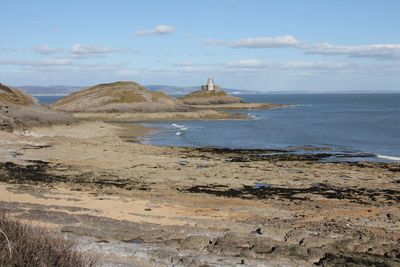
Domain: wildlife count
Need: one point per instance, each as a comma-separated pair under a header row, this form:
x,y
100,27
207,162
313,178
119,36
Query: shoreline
x,y
159,116
198,206
320,153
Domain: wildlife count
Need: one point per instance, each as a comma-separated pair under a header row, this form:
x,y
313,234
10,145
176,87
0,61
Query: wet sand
x,y
143,205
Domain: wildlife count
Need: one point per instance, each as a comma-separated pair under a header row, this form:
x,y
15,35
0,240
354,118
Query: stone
x,y
195,242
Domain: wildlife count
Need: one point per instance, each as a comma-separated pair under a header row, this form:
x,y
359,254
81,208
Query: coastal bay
x,y
200,133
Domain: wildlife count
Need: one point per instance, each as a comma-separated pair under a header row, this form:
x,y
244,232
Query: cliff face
x,y
204,97
117,97
19,110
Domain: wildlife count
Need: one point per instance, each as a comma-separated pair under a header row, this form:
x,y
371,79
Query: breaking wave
x,y
388,157
180,127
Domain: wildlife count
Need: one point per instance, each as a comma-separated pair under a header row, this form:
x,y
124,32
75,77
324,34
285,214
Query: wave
x,y
252,116
388,157
177,125
180,127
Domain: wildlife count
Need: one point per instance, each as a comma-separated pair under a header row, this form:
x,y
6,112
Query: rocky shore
x,y
142,205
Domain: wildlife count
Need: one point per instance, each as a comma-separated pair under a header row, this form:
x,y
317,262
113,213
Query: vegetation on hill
x,y
14,96
116,97
209,98
20,110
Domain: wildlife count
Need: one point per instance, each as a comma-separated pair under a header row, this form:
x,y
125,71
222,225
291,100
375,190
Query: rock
x,y
394,253
258,231
264,246
274,232
393,217
231,244
315,254
316,241
195,242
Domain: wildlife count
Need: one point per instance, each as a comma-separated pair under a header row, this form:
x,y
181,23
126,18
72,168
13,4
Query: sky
x,y
286,45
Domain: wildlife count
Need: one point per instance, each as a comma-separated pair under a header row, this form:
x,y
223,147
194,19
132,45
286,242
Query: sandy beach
x,y
143,205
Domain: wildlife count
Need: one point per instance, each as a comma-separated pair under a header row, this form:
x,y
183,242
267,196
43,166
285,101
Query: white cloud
x,y
375,51
184,64
259,64
46,50
35,63
85,50
158,30
57,63
378,51
259,42
319,65
249,63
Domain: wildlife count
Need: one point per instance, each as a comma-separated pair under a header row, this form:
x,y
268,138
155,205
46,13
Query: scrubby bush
x,y
22,244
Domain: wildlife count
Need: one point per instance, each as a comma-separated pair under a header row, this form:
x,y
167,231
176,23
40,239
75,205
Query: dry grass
x,y
209,98
206,94
22,244
102,95
13,96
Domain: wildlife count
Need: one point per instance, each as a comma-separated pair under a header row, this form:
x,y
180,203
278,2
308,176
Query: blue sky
x,y
285,45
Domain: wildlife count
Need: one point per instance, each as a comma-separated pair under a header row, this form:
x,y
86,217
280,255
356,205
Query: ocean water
x,y
350,124
48,99
353,124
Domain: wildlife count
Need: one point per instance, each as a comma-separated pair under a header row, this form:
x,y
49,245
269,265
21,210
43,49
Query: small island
x,y
212,96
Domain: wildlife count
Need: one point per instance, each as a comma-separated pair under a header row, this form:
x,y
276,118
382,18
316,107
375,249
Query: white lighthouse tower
x,y
210,84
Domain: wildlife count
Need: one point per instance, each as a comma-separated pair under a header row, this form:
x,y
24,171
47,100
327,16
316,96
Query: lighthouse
x,y
210,84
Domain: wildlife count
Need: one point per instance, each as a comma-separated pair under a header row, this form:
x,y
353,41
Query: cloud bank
x,y
374,51
35,63
83,50
259,42
46,50
377,51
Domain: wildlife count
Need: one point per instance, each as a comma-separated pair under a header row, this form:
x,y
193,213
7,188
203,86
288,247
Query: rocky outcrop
x,y
205,97
118,97
19,110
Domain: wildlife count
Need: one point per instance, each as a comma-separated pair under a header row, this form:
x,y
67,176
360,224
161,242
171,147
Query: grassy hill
x,y
14,96
19,110
117,97
209,98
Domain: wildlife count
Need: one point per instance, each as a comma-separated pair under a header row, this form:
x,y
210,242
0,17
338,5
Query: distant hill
x,y
117,97
49,90
168,89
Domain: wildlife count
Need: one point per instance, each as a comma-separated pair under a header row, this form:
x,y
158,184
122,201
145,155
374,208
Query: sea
x,y
349,126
